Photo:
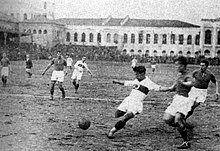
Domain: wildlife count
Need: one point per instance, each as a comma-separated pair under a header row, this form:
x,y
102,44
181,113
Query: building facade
x,y
210,37
135,36
131,36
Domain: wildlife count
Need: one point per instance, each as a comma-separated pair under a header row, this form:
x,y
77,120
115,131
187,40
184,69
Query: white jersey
x,y
133,62
69,61
140,89
79,66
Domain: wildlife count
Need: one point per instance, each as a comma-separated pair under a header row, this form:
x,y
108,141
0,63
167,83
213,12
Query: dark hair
x,y
205,61
139,69
58,51
182,60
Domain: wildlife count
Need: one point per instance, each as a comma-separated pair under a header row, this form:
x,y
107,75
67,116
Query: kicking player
x,y
5,63
58,74
177,111
133,104
29,65
202,78
78,72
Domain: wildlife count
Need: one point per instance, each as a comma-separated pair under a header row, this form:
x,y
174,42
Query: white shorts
x,y
57,76
5,71
77,75
180,104
153,66
198,95
28,70
131,105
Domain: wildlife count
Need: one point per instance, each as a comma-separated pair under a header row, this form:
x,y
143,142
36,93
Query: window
x,y
90,37
18,16
108,37
34,31
45,5
147,53
45,31
25,16
197,40
68,36
132,38
132,51
172,39
208,37
164,52
147,38
40,31
139,52
164,39
189,40
83,39
218,38
12,14
125,38
207,52
140,38
155,52
99,38
115,38
181,38
171,53
124,51
75,37
155,38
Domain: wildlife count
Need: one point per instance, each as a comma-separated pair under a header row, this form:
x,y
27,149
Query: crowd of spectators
x,y
17,51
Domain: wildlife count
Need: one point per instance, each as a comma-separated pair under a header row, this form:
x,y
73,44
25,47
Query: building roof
x,y
211,20
125,22
5,17
42,20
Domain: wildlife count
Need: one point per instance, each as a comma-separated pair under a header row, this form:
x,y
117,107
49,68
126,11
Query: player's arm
x,y
65,67
48,67
165,89
118,82
213,79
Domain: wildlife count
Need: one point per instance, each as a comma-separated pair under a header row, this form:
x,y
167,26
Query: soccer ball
x,y
84,124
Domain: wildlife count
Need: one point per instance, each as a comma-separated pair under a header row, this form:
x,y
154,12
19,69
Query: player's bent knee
x,y
119,113
168,118
119,125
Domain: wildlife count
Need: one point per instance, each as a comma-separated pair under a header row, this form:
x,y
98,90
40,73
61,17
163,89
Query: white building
x,y
135,36
24,9
210,37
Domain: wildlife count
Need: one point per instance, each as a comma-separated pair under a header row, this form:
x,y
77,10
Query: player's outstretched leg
x,y
52,89
181,127
120,124
62,90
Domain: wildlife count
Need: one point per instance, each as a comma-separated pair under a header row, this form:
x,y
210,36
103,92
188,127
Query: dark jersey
x,y
5,62
29,64
202,79
59,64
182,89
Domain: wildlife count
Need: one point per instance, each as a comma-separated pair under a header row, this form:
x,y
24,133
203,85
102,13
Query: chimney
x,y
107,20
124,20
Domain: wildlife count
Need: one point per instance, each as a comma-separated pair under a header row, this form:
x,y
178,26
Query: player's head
x,y
83,59
4,55
27,55
140,72
59,54
204,65
181,63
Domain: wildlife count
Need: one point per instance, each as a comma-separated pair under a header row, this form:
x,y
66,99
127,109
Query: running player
x,y
133,104
134,62
202,78
153,64
176,112
29,65
78,72
58,74
5,63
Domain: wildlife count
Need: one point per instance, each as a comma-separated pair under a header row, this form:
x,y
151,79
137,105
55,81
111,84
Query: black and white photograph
x,y
109,75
